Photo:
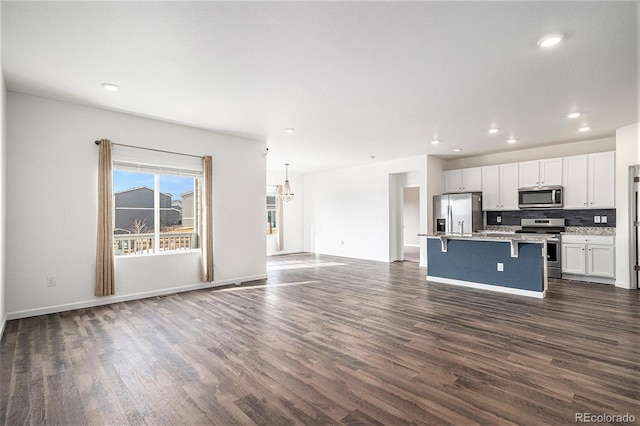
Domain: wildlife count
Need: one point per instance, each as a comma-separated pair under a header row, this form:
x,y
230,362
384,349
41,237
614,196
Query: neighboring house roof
x,y
186,193
137,188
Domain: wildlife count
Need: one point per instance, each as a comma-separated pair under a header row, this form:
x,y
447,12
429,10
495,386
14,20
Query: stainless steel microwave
x,y
545,197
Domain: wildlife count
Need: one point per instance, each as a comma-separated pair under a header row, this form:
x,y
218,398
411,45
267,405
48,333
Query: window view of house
x,y
271,213
148,218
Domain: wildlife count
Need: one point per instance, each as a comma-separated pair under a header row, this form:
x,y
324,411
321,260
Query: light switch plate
x,y
596,219
603,219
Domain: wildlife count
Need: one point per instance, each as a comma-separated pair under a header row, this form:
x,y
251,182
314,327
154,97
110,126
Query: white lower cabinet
x,y
588,258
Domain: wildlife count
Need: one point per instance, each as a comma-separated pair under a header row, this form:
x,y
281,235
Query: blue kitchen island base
x,y
474,262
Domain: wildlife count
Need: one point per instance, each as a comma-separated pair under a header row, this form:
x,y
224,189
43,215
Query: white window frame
x,y
159,164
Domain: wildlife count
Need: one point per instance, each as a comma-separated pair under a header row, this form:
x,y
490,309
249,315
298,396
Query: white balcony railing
x,y
132,244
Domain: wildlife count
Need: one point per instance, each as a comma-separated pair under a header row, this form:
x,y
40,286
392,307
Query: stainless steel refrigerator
x,y
457,213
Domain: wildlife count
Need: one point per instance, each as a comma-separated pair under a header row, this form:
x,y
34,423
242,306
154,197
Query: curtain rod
x,y
153,149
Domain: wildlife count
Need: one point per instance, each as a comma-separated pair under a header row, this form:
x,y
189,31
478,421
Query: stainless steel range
x,y
547,226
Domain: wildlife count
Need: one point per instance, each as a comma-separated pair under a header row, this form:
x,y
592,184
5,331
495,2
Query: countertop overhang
x,y
512,238
529,238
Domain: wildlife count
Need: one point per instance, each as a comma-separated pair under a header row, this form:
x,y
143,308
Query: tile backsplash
x,y
573,217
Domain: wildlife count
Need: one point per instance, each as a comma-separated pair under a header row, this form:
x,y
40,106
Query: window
x,y
155,206
271,212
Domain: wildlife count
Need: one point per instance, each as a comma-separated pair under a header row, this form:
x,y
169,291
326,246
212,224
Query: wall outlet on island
x,y
603,219
596,219
500,267
499,219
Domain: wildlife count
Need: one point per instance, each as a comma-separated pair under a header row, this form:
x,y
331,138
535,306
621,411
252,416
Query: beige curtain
x,y
206,238
105,261
280,217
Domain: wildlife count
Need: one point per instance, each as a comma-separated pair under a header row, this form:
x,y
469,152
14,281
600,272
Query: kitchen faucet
x,y
461,224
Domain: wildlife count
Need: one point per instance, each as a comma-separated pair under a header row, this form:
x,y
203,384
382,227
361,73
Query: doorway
x,y
411,223
635,224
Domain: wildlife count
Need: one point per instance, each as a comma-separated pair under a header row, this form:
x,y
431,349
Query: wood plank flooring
x,y
329,340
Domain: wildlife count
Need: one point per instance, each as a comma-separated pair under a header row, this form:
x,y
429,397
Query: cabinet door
x,y
573,259
574,179
551,172
600,260
529,174
472,179
509,187
602,180
452,181
490,188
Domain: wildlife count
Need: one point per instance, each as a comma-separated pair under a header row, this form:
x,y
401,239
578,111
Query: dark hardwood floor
x,y
328,340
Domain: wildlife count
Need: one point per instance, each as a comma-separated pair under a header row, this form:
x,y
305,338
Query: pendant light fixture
x,y
287,195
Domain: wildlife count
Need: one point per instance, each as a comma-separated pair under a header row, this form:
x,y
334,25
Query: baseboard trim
x,y
499,289
589,279
284,252
4,323
108,300
622,284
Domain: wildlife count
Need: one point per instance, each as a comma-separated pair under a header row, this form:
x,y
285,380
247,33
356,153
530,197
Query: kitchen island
x,y
508,263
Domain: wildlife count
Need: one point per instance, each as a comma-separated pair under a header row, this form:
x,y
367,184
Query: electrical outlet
x,y
499,219
596,219
500,267
603,219
51,281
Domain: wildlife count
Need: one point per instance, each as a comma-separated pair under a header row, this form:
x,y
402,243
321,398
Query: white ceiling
x,y
354,79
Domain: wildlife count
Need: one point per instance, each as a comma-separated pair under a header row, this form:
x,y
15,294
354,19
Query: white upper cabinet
x,y
601,186
551,172
462,180
589,181
509,186
491,188
529,174
500,187
451,181
575,182
540,173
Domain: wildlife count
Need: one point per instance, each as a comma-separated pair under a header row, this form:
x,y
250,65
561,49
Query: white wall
x,y
433,182
293,215
3,193
51,208
347,211
627,155
550,151
411,219
435,166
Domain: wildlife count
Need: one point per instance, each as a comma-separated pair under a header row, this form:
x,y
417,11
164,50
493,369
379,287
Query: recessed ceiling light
x,y
575,114
494,130
550,40
457,149
435,141
584,129
112,87
290,130
512,140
